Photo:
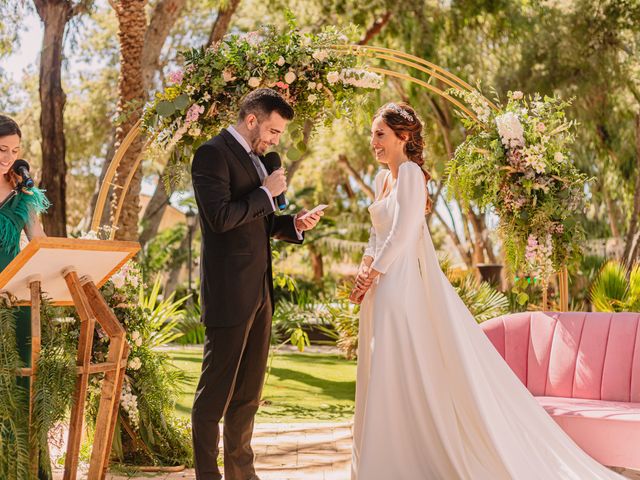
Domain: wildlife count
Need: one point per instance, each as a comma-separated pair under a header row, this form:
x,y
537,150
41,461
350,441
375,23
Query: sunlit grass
x,y
303,387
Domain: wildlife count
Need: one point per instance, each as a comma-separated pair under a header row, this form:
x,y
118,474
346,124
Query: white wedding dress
x,y
434,399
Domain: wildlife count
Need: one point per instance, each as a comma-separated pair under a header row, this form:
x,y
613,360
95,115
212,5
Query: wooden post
x,y
112,383
563,286
87,325
36,342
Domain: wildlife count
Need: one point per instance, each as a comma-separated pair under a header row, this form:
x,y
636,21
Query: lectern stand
x,y
65,268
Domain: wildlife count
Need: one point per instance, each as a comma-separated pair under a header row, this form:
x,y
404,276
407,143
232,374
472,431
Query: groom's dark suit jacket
x,y
237,222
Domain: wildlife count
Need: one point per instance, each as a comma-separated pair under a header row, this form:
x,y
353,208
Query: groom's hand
x,y
276,183
308,222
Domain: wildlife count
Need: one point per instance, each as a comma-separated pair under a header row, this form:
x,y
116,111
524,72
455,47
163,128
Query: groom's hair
x,y
262,102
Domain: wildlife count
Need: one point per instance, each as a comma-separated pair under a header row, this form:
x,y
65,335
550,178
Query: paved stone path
x,y
293,451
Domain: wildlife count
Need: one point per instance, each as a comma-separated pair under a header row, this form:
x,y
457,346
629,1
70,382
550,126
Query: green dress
x,y
14,215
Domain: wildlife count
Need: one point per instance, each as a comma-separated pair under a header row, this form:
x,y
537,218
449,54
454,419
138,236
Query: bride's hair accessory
x,y
400,111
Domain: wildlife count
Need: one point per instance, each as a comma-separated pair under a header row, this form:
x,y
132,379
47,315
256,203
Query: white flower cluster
x,y
136,339
538,256
127,274
510,130
129,403
356,77
320,55
134,364
534,157
479,105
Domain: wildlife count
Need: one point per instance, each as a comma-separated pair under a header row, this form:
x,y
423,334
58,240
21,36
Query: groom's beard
x,y
257,144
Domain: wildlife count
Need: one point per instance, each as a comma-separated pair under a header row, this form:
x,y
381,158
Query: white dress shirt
x,y
242,141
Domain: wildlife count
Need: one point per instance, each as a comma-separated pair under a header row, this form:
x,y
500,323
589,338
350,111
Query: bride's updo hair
x,y
403,120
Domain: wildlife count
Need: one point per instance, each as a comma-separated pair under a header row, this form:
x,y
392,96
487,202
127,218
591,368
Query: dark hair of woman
x,y
403,120
9,127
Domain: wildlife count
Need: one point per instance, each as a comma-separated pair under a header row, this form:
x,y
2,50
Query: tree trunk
x,y
316,263
174,273
223,20
375,29
343,162
131,35
612,214
85,224
633,224
154,212
155,209
163,18
54,14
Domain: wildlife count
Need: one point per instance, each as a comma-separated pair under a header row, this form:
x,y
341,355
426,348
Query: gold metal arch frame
x,y
387,55
375,53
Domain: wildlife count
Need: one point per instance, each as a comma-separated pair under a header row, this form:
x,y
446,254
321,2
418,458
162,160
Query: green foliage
x,y
14,433
152,383
483,301
161,316
320,81
191,328
293,318
56,380
516,161
53,391
345,320
163,252
616,288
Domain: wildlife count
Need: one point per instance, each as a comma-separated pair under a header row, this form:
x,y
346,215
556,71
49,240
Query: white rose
x,y
311,86
280,61
254,82
138,342
510,130
558,157
517,95
290,77
320,55
312,98
135,363
333,77
135,335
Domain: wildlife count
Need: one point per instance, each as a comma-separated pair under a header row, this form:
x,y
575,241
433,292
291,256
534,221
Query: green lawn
x,y
303,387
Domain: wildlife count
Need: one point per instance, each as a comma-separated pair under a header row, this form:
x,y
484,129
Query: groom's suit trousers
x,y
230,387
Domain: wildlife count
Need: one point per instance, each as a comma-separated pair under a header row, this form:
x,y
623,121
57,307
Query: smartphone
x,y
319,208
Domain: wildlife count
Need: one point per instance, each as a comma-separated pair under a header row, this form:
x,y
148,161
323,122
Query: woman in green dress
x,y
19,213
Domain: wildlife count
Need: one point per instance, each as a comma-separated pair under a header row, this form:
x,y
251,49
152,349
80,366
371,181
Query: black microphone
x,y
21,167
272,162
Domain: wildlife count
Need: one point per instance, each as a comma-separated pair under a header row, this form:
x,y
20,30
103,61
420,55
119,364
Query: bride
x,y
434,399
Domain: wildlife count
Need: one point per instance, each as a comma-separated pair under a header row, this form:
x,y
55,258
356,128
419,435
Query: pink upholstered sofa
x,y
584,369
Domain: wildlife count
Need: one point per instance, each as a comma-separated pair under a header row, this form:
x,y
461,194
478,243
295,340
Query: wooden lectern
x,y
65,268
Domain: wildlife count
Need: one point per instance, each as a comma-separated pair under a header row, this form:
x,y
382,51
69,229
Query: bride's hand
x,y
356,296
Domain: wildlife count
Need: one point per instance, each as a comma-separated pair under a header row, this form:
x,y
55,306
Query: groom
x,y
235,195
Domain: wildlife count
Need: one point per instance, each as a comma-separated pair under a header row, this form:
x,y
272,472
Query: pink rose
x,y
176,77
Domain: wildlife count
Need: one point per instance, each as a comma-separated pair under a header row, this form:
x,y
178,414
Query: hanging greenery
x,y
53,391
516,161
320,81
147,432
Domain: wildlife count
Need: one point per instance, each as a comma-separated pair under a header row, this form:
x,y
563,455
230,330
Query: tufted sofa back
x,y
572,354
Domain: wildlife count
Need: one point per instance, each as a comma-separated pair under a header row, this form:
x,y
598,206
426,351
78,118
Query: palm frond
x,y
610,290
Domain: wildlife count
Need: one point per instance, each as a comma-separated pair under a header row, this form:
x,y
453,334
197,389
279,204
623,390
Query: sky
x,y
30,43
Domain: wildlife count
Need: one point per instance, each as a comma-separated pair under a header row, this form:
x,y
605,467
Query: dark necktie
x,y
258,165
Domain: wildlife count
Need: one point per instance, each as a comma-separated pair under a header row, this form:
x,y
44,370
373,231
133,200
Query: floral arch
x,y
515,159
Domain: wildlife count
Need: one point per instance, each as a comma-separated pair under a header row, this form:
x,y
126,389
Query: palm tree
x,y
616,288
